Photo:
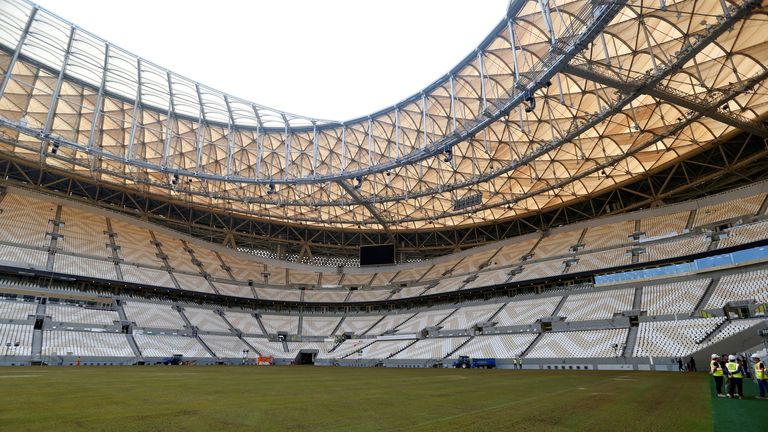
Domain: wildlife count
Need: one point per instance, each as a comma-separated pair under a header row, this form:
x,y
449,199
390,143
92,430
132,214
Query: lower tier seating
x,y
85,344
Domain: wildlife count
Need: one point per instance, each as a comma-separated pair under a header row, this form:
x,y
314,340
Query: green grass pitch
x,y
189,398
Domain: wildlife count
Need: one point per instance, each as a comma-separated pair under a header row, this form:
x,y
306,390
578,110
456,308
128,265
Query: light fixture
x,y
358,182
271,189
448,151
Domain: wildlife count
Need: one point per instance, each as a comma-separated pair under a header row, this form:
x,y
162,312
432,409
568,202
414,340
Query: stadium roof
x,y
562,101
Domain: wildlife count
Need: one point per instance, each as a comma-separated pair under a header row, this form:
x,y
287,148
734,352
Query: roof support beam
x,y
17,51
669,95
371,209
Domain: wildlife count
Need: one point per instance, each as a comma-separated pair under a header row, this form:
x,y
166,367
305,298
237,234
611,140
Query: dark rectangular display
x,y
377,255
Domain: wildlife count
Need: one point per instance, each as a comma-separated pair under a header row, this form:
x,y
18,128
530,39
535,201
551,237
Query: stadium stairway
x,y
261,324
301,324
532,344
37,345
205,345
335,329
285,347
131,341
739,342
713,332
560,305
629,345
638,298
458,348
373,326
403,348
707,294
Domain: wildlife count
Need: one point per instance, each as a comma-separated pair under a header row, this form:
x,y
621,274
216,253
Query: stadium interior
x,y
586,191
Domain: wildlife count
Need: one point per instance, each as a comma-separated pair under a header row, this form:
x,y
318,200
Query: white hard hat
x,y
731,357
755,356
714,356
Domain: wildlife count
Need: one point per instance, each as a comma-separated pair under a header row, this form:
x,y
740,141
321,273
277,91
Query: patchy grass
x,y
220,398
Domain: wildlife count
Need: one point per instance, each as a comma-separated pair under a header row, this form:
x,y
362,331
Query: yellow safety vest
x,y
514,360
760,372
715,368
733,369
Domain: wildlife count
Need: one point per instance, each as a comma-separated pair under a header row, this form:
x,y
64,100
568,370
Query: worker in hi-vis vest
x,y
735,378
761,375
514,362
717,373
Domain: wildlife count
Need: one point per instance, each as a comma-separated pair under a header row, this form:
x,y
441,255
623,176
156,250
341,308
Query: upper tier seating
x,y
728,210
744,234
25,220
83,233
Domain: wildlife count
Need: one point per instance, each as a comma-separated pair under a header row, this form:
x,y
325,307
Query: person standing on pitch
x,y
761,375
717,373
514,362
735,378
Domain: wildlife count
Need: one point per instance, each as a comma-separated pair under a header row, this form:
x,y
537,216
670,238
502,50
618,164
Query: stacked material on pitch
x,y
672,338
153,315
578,344
85,344
673,298
167,345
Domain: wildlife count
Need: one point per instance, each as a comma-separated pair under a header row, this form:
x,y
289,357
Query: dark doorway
x,y
305,358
